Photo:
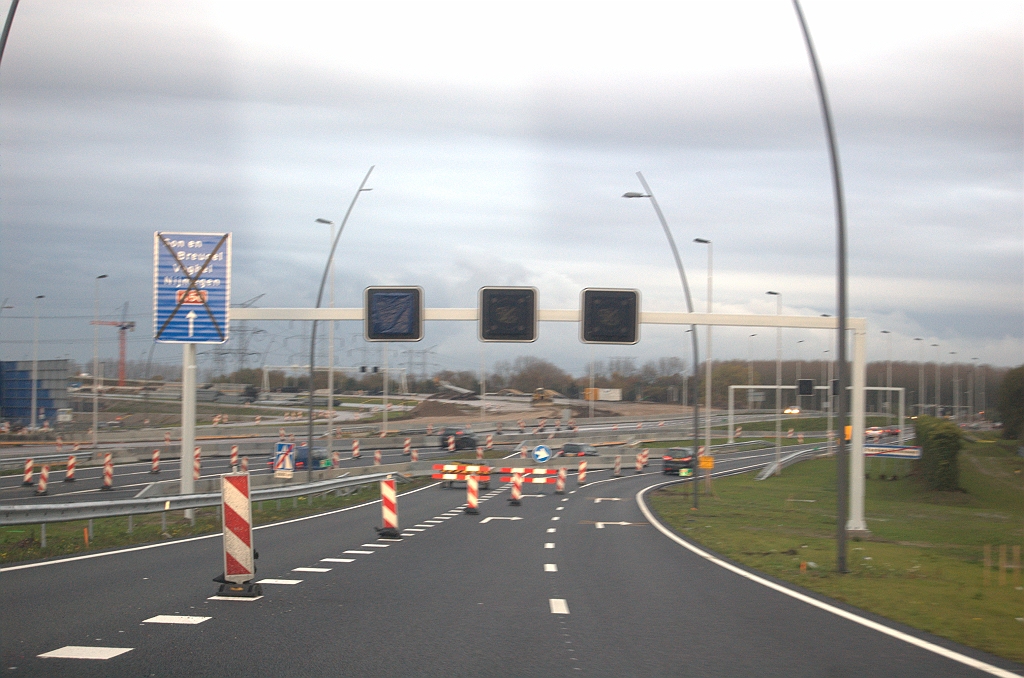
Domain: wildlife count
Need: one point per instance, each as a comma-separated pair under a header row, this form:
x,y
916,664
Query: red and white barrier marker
x,y
660,424
618,465
517,489
335,459
258,418
407,447
430,429
522,450
472,495
239,558
615,427
639,463
355,449
490,442
60,444
799,437
234,456
479,453
155,466
389,510
44,480
739,430
789,433
197,462
645,456
245,465
27,479
415,454
639,425
581,476
560,481
167,438
280,434
69,471
108,471
75,448
451,443
377,458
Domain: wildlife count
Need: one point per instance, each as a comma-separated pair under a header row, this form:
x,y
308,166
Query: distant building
x,y
51,390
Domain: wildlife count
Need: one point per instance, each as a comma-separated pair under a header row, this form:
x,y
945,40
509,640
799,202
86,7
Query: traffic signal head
x,y
508,314
393,314
805,387
610,316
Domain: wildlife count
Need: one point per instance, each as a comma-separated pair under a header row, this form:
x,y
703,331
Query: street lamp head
x,y
918,339
886,332
101,277
773,293
754,335
634,194
702,241
40,296
325,221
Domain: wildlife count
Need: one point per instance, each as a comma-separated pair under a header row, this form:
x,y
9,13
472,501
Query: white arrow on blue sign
x,y
191,287
541,454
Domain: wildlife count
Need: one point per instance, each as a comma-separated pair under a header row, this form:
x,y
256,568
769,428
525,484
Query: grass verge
x,y
20,543
923,563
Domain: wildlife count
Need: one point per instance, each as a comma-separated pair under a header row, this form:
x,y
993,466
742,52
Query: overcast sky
x,y
503,135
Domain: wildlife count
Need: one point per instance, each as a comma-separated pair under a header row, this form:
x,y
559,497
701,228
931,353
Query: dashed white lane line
x,y
377,546
410,534
311,569
550,530
559,508
337,560
83,652
359,553
287,582
414,529
550,567
235,598
555,518
423,525
549,545
558,606
175,619
386,539
432,522
566,499
442,517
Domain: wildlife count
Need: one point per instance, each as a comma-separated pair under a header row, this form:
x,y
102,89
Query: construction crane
x,y
124,326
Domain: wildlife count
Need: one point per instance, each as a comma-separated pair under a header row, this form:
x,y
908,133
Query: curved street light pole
x,y
707,353
778,385
319,298
330,354
689,307
35,360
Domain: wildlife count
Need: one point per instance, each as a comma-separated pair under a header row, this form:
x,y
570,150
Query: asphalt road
x,y
459,595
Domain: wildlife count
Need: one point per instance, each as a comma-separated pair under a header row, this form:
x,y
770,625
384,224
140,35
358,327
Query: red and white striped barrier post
x,y
615,427
451,443
389,509
560,481
197,462
355,449
618,465
376,458
27,479
407,447
244,465
739,430
639,425
108,471
258,419
517,490
660,424
581,476
415,455
335,459
490,442
522,450
239,558
291,437
430,429
479,453
69,471
639,462
44,480
645,456
155,466
234,457
167,438
472,497
800,437
280,434
789,433
60,444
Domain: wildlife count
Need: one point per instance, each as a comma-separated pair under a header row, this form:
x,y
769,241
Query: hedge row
x,y
940,443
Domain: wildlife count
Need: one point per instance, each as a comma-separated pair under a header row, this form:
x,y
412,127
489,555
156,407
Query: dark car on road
x,y
463,435
577,450
320,457
679,461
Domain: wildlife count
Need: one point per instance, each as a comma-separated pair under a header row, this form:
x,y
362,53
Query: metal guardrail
x,y
788,460
56,513
19,462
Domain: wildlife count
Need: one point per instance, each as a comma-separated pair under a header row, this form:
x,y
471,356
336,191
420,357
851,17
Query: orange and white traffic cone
x,y
44,480
517,490
69,472
560,481
27,479
472,495
581,476
108,471
155,466
389,509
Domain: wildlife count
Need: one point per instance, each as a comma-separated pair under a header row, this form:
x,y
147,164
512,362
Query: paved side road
x,y
580,584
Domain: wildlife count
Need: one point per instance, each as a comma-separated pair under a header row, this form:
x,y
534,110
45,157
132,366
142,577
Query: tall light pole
x,y
778,385
750,370
689,307
888,379
35,359
956,387
312,334
974,386
799,360
938,391
96,360
920,378
707,369
330,357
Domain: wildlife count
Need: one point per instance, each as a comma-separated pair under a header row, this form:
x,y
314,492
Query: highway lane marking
x,y
832,609
550,567
413,529
566,499
444,517
600,526
558,606
487,520
598,500
549,545
377,546
337,560
423,525
409,534
550,530
175,619
559,508
311,569
384,539
217,535
555,518
234,598
284,582
360,553
432,522
85,652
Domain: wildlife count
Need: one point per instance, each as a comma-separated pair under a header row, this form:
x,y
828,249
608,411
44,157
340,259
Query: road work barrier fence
x,y
69,471
108,472
389,509
472,496
155,466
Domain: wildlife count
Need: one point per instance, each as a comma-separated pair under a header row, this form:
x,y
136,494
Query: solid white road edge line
x,y
839,612
145,547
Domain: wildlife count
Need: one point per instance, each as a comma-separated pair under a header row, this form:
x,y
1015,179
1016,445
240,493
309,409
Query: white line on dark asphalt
x,y
337,560
550,567
559,508
549,545
558,606
550,530
413,529
175,619
377,546
408,534
234,598
287,582
360,553
82,652
555,518
423,525
311,569
384,539
566,499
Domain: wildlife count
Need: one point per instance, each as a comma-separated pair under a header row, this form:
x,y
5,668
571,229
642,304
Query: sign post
x,y
191,296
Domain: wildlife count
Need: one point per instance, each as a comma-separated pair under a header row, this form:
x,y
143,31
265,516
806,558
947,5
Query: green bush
x,y
940,443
